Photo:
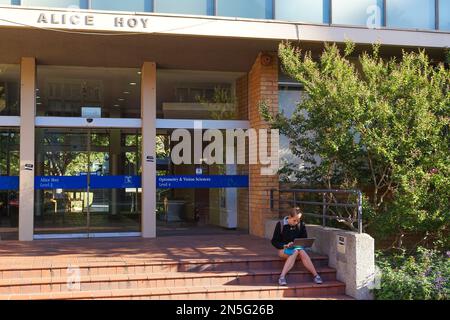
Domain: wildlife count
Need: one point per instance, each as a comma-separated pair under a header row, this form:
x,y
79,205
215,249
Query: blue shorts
x,y
290,251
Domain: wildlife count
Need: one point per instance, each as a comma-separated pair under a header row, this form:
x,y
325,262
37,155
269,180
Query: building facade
x,y
92,91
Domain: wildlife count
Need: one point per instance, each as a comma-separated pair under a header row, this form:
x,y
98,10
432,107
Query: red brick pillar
x,y
262,86
242,169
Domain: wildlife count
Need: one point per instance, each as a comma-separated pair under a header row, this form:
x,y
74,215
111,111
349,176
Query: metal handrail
x,y
324,204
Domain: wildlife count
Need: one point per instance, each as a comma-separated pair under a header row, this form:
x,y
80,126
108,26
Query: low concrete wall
x,y
350,253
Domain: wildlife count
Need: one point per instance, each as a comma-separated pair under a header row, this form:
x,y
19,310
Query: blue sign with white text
x,y
123,182
9,183
202,182
115,182
60,182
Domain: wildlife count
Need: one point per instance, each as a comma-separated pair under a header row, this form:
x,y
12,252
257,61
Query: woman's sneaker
x,y
282,282
318,280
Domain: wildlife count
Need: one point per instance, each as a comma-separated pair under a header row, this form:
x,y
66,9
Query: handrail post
x,y
324,209
360,227
295,199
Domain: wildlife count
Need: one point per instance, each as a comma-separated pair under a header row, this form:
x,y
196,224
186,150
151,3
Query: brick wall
x,y
242,107
262,86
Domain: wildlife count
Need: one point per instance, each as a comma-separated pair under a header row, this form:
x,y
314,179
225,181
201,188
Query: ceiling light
x,y
133,83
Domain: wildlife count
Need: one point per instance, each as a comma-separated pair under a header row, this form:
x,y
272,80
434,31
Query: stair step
x,y
256,291
331,297
164,266
150,280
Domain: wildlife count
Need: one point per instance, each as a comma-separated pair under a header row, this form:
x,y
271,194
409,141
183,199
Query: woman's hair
x,y
295,212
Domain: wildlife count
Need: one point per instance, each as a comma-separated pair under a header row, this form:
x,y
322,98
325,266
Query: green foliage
x,y
422,276
223,104
378,125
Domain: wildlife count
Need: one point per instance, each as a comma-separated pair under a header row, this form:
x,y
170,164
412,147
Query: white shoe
x,y
318,280
282,282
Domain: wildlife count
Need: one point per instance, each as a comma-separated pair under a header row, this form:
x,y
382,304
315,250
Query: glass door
x,y
87,182
62,201
114,181
9,183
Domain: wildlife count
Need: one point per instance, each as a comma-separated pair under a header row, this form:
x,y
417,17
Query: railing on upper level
x,y
329,200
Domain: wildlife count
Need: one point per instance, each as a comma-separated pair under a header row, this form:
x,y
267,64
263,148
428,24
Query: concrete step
x,y
163,266
228,292
158,280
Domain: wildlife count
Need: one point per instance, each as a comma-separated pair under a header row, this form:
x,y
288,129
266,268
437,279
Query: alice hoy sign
x,y
89,20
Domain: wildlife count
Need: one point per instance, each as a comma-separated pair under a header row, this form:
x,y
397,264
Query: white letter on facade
x,y
118,22
42,18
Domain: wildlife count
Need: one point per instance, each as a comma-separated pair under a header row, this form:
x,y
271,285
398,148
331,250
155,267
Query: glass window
x,y
362,12
9,183
200,7
9,90
415,14
288,98
444,15
83,4
120,5
199,95
74,91
256,9
312,11
198,205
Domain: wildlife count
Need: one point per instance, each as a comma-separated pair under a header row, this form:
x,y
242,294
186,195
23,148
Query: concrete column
x,y
148,115
27,132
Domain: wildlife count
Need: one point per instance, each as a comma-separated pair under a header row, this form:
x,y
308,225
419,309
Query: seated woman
x,y
290,228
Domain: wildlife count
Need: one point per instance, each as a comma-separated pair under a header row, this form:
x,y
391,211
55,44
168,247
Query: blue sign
x,y
123,182
115,182
202,182
9,183
60,182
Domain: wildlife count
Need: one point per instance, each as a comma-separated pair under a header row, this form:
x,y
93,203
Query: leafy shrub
x,y
422,276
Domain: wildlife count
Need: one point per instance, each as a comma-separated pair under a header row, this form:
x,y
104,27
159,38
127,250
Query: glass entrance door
x,y
87,182
9,183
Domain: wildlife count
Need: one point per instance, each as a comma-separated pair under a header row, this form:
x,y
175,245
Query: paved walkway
x,y
216,247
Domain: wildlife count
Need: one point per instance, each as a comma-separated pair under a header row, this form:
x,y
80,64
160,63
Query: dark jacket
x,y
289,233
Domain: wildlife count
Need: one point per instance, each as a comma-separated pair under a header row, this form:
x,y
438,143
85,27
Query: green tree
x,y
380,125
